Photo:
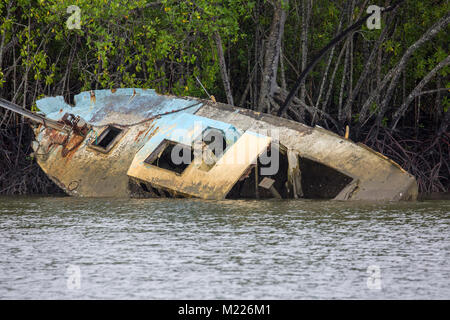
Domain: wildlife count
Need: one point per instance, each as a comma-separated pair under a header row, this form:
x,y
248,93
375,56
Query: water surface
x,y
193,249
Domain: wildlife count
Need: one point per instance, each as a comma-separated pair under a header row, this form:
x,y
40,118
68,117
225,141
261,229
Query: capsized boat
x,y
136,143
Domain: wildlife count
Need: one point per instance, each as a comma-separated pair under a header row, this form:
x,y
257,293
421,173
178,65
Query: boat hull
x,y
316,163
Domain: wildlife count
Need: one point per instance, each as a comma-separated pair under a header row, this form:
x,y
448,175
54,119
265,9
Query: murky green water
x,y
192,249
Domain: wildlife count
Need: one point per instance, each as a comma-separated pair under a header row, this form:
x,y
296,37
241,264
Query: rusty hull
x,y
79,168
86,172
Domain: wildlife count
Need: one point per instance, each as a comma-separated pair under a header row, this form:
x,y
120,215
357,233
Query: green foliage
x,y
161,45
446,103
166,44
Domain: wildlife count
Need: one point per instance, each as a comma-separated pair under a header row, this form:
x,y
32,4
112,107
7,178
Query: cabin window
x,y
107,139
213,145
317,181
144,187
172,156
251,185
320,181
215,140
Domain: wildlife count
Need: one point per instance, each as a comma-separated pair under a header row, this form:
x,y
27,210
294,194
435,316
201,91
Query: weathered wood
x,y
256,181
294,174
267,183
348,191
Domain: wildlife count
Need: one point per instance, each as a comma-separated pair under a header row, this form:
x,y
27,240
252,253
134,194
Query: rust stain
x,y
153,132
139,134
146,130
150,129
55,136
72,146
92,96
113,90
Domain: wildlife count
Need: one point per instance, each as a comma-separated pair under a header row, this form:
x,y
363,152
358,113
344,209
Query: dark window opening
x,y
213,145
144,187
161,193
246,186
156,191
320,181
107,137
215,139
172,156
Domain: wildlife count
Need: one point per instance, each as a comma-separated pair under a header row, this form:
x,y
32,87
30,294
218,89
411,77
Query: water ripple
x,y
193,249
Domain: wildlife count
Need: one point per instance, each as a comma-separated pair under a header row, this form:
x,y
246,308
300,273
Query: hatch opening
x,y
107,138
172,156
320,181
251,186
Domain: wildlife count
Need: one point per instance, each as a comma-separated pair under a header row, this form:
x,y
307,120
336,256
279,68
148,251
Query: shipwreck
x,y
137,143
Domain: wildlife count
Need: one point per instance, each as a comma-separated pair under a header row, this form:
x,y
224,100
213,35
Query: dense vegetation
x,y
390,86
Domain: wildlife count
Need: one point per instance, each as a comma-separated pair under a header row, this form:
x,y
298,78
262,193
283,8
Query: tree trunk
x,y
433,31
306,17
272,55
2,42
416,92
223,68
367,66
